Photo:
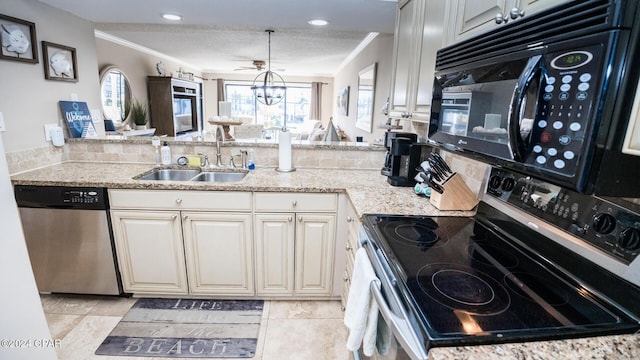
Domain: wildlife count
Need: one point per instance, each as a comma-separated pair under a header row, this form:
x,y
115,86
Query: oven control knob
x,y
508,184
495,181
629,239
604,223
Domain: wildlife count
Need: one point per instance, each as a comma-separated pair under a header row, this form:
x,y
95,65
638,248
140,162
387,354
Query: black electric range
x,y
491,279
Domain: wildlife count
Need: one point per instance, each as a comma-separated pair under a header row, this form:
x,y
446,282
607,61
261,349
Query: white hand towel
x,y
361,313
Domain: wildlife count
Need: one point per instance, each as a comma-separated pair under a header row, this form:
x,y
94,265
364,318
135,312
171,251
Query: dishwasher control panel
x,y
81,196
61,197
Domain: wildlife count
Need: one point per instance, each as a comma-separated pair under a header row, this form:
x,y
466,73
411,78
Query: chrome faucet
x,y
219,138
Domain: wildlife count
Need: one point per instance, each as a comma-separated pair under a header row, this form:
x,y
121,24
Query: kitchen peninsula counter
x,y
369,193
367,189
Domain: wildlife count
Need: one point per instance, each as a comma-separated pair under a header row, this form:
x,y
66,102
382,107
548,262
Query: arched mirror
x,y
366,94
115,94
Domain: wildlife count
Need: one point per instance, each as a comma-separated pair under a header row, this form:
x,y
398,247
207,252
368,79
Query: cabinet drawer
x,y
274,201
180,200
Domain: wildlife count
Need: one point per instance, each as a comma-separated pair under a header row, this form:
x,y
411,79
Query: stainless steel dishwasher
x,y
69,238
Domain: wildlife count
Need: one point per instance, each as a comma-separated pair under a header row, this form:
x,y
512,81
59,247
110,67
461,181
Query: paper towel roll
x,y
284,151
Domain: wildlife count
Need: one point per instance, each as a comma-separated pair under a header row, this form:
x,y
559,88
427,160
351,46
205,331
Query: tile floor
x,y
289,329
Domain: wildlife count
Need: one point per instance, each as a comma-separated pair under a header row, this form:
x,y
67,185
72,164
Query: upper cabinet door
x,y
477,16
409,20
433,37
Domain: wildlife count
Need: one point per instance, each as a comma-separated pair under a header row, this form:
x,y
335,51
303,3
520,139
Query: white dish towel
x,y
361,313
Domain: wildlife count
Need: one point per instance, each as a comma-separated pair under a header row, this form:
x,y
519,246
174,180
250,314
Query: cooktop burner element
x,y
415,233
461,288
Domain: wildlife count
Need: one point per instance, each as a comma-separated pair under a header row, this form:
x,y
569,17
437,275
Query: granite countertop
x,y
368,190
369,193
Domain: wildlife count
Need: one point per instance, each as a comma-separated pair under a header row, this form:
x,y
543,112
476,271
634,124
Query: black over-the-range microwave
x,y
550,97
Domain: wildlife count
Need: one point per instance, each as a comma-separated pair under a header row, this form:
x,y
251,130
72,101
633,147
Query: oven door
x,y
398,336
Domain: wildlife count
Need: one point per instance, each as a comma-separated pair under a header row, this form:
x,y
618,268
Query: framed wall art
x,y
18,40
343,101
59,62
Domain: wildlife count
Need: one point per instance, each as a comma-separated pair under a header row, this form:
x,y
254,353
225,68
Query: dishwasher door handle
x,y
400,327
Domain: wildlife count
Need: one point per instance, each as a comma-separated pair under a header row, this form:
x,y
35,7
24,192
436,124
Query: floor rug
x,y
186,328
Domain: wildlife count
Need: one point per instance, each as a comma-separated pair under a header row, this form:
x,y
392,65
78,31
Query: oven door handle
x,y
400,327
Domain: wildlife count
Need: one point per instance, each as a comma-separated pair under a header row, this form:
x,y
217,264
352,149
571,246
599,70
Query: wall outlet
x,y
47,131
2,128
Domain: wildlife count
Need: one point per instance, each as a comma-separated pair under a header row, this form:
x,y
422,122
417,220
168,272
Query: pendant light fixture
x,y
269,87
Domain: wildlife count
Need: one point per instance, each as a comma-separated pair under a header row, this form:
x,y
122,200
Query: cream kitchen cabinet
x,y
351,246
295,243
406,51
474,17
218,253
421,26
184,242
150,251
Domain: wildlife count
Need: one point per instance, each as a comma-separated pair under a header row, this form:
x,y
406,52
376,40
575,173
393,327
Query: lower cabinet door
x,y
315,249
150,251
219,253
275,236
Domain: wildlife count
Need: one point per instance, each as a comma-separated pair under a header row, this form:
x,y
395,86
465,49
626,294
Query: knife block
x,y
456,195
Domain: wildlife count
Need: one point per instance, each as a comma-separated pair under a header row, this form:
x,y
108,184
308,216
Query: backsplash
x,y
472,172
338,156
25,160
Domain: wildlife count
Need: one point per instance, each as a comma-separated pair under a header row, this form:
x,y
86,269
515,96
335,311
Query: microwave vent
x,y
571,20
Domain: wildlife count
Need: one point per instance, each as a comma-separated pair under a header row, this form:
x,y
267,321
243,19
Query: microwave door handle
x,y
400,327
516,146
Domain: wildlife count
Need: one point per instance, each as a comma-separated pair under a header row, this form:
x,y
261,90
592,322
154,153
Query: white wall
x,y
27,100
21,314
378,51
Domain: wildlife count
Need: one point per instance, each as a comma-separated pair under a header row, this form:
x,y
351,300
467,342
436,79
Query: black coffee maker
x,y
404,155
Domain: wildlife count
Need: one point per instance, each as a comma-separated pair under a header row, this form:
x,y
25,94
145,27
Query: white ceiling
x,y
223,35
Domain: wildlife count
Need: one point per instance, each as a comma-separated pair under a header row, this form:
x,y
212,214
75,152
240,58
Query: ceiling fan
x,y
257,65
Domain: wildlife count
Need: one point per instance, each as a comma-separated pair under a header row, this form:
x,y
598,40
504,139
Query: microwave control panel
x,y
567,89
605,225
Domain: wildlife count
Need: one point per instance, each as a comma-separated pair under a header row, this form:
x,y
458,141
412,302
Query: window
x,y
243,103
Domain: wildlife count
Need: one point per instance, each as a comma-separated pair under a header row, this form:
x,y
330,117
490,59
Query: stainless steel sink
x,y
219,176
171,174
193,175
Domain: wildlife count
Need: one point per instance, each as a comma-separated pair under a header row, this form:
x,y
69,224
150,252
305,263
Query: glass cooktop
x,y
465,280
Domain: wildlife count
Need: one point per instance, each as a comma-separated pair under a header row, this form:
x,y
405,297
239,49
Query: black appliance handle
x,y
516,144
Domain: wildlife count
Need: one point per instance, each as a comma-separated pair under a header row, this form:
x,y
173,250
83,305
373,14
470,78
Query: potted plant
x,y
139,113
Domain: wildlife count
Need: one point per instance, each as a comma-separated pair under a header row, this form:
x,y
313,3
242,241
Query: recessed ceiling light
x,y
173,17
318,22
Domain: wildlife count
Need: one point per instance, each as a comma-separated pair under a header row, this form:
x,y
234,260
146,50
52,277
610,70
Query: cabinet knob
x,y
299,218
290,218
185,217
174,217
501,18
348,247
294,203
345,278
178,201
516,13
349,219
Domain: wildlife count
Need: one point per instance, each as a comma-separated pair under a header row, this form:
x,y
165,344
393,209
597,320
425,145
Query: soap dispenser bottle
x,y
166,154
